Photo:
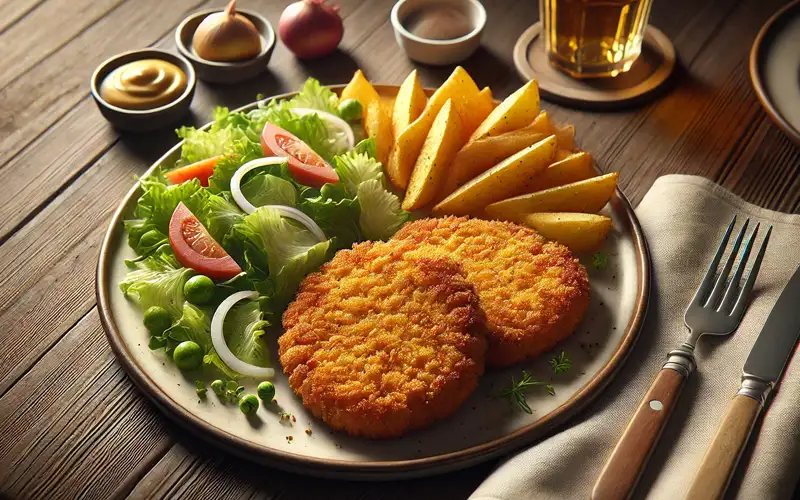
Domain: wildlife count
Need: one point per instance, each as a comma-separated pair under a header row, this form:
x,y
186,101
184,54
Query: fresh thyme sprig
x,y
561,364
516,393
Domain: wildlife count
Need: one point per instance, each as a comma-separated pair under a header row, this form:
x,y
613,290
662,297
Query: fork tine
x,y
716,293
733,285
708,279
744,295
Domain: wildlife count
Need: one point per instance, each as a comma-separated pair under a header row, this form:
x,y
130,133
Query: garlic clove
x,y
226,36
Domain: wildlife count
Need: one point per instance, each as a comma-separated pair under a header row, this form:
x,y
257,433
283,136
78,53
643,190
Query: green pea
x,y
218,386
266,391
199,289
248,404
157,319
350,110
150,238
188,355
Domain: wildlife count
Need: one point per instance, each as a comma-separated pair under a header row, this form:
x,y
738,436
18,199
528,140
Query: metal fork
x,y
712,311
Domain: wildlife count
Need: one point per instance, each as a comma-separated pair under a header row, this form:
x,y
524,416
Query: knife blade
x,y
775,344
764,366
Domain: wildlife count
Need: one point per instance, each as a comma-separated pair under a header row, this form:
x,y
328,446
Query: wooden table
x,y
71,422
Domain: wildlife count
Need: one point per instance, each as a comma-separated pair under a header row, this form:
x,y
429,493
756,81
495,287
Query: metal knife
x,y
762,370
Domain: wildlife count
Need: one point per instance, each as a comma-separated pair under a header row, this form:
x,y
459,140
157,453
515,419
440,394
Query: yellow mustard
x,y
144,84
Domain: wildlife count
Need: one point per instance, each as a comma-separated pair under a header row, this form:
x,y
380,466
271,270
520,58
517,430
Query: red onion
x,y
310,28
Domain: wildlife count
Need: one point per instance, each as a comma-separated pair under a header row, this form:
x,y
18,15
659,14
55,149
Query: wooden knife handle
x,y
723,454
627,461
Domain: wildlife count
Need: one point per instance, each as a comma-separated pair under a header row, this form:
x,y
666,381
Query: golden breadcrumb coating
x,y
533,292
383,340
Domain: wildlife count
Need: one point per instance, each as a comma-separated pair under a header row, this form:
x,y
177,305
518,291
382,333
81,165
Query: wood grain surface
x,y
629,458
67,410
722,455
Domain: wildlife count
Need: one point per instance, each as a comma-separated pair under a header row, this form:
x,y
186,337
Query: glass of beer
x,y
593,38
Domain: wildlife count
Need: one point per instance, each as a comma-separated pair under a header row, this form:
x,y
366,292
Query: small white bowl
x,y
434,51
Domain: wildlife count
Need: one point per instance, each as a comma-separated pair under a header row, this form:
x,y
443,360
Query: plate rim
x,y
379,470
765,35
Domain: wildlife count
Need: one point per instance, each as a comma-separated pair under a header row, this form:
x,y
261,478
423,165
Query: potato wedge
x,y
458,86
505,179
437,153
474,110
542,123
587,196
361,90
408,105
580,232
478,156
566,137
519,109
378,125
563,154
574,168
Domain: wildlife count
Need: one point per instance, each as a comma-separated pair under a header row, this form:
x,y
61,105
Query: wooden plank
x,y
45,29
71,417
12,11
190,469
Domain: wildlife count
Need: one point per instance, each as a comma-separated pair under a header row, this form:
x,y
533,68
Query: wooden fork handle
x,y
723,454
626,463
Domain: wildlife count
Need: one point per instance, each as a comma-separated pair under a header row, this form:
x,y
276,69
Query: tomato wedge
x,y
200,170
196,249
305,165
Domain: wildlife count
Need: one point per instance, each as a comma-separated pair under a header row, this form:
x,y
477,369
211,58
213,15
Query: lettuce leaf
x,y
237,154
157,280
381,215
315,96
243,329
289,251
337,219
355,168
268,189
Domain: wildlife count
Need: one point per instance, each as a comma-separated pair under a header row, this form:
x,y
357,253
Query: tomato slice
x,y
196,249
305,165
200,170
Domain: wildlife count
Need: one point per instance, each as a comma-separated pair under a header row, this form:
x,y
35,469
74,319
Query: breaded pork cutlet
x,y
383,340
533,292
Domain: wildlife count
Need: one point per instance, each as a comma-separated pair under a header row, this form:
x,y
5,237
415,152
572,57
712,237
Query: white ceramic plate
x,y
485,427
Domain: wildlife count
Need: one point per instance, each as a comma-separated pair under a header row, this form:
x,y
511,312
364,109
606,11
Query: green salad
x,y
257,201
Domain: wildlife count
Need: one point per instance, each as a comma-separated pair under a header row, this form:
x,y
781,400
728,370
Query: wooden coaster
x,y
647,75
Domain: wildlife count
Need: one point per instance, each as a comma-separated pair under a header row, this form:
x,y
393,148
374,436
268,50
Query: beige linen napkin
x,y
683,218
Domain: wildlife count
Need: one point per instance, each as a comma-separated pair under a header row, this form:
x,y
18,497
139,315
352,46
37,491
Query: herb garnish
x,y
561,364
600,260
516,393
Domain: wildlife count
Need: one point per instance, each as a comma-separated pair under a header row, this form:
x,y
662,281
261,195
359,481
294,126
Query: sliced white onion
x,y
346,132
218,339
289,212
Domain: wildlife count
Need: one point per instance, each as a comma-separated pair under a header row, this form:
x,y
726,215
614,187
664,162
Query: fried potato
x,y
505,179
563,154
580,232
410,102
458,86
478,156
566,137
362,91
542,123
576,167
378,124
437,153
474,110
519,109
587,196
